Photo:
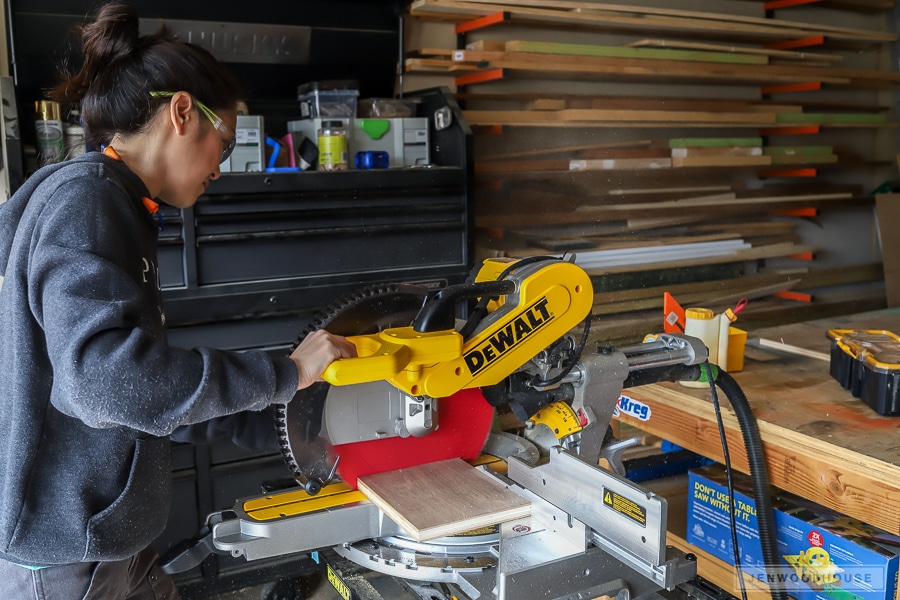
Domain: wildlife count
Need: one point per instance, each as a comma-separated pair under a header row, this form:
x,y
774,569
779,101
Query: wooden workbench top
x,y
820,442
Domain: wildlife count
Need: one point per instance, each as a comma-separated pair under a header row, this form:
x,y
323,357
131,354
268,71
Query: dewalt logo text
x,y
517,331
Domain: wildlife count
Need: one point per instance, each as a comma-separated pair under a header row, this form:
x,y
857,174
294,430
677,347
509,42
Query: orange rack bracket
x,y
796,212
788,173
480,77
787,88
816,40
804,130
795,296
787,3
482,22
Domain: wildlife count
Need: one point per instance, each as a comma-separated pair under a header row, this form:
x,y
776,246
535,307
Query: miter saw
x,y
425,387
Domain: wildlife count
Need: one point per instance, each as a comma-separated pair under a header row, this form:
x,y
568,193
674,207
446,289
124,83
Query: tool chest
x,y
260,252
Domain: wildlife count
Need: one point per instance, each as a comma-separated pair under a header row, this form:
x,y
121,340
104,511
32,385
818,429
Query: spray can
x,y
74,141
49,129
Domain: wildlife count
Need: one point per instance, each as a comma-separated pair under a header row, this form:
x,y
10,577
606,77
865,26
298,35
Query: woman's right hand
x,y
318,350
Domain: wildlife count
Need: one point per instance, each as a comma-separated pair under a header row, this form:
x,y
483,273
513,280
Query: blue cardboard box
x,y
823,555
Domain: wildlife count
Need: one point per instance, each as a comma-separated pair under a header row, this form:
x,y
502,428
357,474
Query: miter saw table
x,y
590,532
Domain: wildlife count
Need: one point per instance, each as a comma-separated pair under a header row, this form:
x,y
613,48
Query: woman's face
x,y
194,161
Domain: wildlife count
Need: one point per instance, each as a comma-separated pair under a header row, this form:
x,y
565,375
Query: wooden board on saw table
x,y
443,498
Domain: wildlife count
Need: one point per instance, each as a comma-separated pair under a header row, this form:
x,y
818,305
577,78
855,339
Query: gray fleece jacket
x,y
89,388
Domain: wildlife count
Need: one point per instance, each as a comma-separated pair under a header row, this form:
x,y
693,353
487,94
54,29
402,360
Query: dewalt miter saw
x,y
425,387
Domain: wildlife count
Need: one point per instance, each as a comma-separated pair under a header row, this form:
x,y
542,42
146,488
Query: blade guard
x,y
550,300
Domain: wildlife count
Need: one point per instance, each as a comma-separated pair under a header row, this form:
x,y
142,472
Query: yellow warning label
x,y
338,585
625,506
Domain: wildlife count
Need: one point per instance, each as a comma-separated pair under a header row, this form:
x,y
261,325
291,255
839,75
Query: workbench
x,y
820,442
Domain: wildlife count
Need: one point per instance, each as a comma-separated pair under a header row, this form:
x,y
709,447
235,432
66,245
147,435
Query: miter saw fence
x,y
424,388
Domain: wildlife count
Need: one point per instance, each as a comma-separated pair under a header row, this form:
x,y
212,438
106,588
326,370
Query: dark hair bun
x,y
113,36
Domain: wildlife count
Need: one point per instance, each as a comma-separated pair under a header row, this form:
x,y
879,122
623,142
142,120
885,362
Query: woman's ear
x,y
181,111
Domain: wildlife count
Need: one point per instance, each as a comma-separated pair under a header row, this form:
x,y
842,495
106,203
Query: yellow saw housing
x,y
550,299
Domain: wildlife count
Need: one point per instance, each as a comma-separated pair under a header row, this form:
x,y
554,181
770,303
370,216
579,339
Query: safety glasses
x,y
226,133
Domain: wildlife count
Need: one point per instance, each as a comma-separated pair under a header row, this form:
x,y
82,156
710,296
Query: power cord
x,y
728,477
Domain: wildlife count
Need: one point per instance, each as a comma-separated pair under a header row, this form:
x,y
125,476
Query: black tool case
x,y
867,362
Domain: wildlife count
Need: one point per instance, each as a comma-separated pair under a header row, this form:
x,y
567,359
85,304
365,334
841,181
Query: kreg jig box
x,y
823,555
867,362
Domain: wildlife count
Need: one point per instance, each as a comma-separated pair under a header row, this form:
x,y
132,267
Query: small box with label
x,y
823,555
249,148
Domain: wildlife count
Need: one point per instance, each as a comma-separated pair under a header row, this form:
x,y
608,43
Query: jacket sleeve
x,y
94,289
251,430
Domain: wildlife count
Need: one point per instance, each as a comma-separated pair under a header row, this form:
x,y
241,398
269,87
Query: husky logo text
x,y
517,331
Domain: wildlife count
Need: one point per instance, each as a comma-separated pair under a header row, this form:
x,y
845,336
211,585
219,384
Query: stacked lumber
x,y
709,193
745,152
561,60
863,6
638,19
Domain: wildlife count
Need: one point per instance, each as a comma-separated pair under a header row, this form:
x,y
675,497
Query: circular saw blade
x,y
463,427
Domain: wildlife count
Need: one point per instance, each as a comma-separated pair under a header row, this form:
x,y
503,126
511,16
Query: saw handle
x,y
439,311
385,354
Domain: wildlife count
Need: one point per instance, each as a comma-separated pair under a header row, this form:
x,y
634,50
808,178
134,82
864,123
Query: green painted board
x,y
714,142
627,52
829,118
796,150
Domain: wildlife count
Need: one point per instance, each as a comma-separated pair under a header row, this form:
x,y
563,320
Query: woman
x,y
89,388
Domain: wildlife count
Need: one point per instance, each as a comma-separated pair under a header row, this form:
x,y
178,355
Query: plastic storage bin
x,y
867,362
328,99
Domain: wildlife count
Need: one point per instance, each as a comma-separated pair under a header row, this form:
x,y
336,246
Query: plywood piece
x,y
831,118
580,116
607,164
782,346
797,150
444,498
721,161
566,149
728,151
785,54
658,102
488,45
627,52
572,66
716,142
670,190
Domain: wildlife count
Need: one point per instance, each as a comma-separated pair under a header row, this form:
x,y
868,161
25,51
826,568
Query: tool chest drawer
x,y
262,244
350,231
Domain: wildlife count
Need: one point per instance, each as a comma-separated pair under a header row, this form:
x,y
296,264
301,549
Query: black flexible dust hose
x,y
755,455
760,476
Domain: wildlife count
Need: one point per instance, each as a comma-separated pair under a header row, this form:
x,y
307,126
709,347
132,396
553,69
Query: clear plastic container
x,y
328,99
334,154
387,108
